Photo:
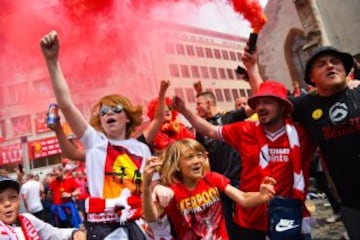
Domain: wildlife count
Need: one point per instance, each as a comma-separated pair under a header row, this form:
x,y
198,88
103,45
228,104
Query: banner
x,y
11,154
45,147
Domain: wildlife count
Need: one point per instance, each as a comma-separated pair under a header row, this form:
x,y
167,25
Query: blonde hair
x,y
133,112
171,156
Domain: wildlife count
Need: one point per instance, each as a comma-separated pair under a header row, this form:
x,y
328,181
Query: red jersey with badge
x,y
197,213
241,135
68,185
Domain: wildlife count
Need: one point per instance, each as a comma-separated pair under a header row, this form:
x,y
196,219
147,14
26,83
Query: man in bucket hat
x,y
273,146
30,227
332,118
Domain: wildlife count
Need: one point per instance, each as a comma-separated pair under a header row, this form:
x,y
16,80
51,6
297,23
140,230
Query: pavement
x,y
320,210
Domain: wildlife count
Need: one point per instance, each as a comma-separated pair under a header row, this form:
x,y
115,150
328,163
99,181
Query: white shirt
x,y
32,191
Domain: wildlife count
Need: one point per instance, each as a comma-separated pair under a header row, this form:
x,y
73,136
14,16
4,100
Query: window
x,y
225,55
238,54
180,49
185,71
208,53
235,93
190,50
219,95
217,53
227,95
42,87
174,70
242,92
169,48
21,125
19,93
199,52
230,73
195,71
2,131
222,73
248,91
232,56
204,72
190,95
213,73
46,161
179,92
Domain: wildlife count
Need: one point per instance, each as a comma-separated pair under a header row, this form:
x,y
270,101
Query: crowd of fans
x,y
209,182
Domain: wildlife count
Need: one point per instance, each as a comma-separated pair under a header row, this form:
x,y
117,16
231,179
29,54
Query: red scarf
x,y
28,228
294,155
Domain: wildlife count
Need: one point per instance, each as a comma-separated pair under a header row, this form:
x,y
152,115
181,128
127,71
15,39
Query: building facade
x,y
295,28
182,54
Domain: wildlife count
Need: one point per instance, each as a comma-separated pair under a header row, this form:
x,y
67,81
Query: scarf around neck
x,y
294,156
27,229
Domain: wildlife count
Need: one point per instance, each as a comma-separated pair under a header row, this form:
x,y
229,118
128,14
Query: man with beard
x,y
331,116
273,146
64,189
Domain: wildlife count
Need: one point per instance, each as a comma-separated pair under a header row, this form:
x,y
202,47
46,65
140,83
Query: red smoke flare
x,y
81,8
252,11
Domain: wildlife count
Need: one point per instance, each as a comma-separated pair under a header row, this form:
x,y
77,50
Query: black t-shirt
x,y
334,123
222,157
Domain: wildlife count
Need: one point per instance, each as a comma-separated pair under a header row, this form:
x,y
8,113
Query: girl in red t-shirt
x,y
195,211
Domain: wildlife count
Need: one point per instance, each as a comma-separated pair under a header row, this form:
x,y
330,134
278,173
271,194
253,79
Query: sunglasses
x,y
105,109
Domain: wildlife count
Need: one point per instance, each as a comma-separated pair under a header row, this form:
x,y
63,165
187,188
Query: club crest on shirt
x,y
317,114
338,112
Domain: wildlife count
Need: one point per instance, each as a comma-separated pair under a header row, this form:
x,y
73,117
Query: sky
x,y
217,15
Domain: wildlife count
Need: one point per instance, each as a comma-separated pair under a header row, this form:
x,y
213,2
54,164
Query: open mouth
x,y
8,213
331,74
196,169
262,113
111,120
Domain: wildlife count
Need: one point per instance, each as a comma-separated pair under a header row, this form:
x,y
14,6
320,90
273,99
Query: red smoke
x,y
102,43
83,8
252,11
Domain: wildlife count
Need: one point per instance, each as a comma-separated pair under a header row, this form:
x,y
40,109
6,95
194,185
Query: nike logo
x,y
284,225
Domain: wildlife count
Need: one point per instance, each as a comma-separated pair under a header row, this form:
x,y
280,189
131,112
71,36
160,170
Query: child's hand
x,y
151,166
267,189
162,194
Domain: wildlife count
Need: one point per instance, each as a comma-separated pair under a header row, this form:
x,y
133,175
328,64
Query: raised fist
x,y
49,45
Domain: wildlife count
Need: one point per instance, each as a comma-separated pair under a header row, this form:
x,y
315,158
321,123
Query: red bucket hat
x,y
272,88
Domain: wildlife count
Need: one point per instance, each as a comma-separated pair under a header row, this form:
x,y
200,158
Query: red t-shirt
x,y
197,213
57,187
241,135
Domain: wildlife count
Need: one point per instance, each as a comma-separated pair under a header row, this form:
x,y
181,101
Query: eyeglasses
x,y
105,109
